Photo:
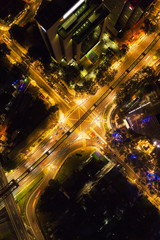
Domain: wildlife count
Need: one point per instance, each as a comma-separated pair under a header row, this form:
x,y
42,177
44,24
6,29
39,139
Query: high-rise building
x,y
125,14
71,28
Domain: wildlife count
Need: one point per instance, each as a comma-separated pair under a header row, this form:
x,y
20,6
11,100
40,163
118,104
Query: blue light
x,y
153,179
133,156
151,174
116,135
146,119
21,86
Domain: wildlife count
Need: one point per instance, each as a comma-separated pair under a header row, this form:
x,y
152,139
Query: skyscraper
x,y
70,28
125,14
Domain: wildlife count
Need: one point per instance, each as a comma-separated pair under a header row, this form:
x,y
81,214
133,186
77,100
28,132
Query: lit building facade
x,y
124,14
75,28
72,28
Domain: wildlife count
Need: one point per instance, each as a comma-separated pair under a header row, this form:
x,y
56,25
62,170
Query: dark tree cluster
x,y
5,66
4,50
70,74
26,113
47,197
149,27
108,77
29,37
86,88
112,209
123,50
5,76
139,84
19,70
18,33
7,163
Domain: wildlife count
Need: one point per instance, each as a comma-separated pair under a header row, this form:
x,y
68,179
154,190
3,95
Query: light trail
x,y
84,116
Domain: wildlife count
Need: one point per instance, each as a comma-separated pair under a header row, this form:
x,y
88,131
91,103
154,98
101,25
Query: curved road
x,y
30,207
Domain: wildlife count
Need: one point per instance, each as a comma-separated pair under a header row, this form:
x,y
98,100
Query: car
x,y
51,84
67,101
42,96
98,142
97,137
48,152
62,84
6,39
94,91
56,133
92,134
118,164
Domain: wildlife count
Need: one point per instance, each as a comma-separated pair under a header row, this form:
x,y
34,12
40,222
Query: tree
x,y
54,108
19,69
149,26
25,115
4,50
158,52
70,74
7,164
35,53
109,77
18,33
123,50
48,196
148,70
86,88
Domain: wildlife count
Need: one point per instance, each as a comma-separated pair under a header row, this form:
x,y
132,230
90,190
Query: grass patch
x,y
6,231
106,127
6,235
23,196
107,110
72,163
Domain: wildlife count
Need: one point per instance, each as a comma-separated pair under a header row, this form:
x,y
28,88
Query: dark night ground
x,y
112,211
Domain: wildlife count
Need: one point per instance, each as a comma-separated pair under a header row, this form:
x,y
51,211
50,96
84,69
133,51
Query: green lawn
x,y
6,231
23,196
72,163
107,110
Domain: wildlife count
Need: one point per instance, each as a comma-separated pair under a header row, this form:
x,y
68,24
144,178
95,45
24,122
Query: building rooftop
x,y
87,27
83,21
50,12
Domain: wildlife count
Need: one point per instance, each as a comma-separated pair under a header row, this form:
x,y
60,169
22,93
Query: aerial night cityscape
x,y
80,120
